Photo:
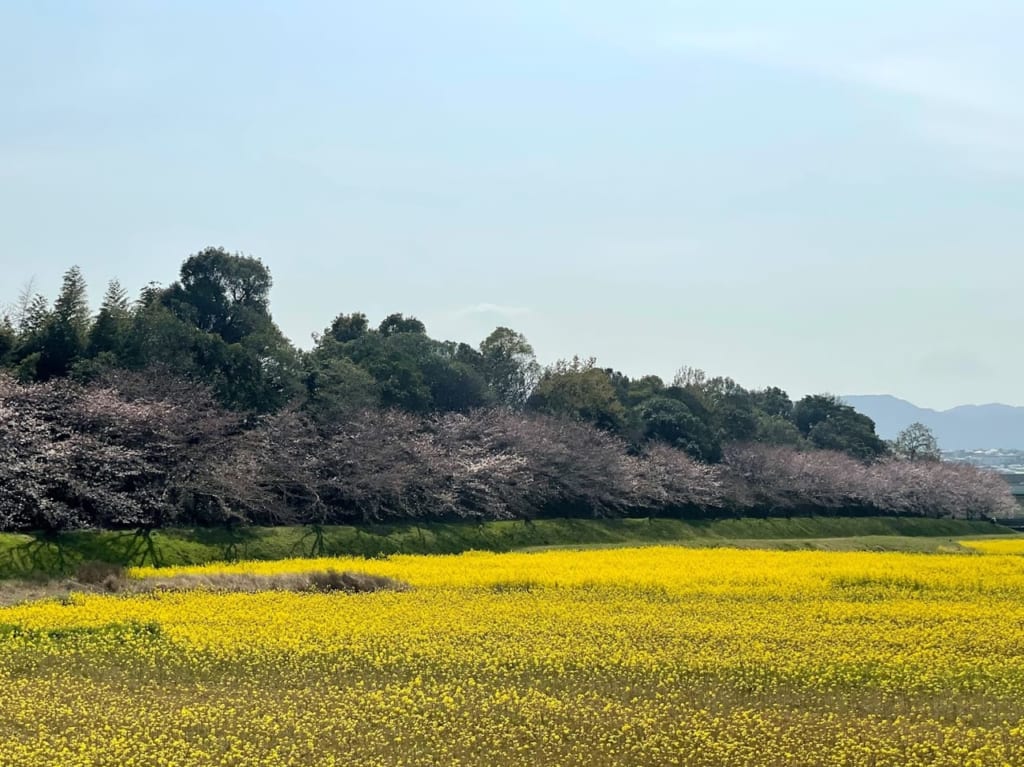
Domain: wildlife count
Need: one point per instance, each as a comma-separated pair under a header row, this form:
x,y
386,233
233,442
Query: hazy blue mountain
x,y
967,427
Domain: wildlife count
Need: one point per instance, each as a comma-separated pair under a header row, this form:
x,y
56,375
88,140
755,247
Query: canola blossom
x,y
1013,545
646,656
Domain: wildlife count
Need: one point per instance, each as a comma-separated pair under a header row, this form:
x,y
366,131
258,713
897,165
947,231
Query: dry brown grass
x,y
99,578
320,580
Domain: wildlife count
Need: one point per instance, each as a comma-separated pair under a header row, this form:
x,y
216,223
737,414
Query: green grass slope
x,y
28,555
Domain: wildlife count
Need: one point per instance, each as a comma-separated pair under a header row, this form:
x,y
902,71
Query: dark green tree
x,y
735,416
395,363
65,332
223,293
643,388
410,370
399,323
348,327
577,389
454,385
776,430
215,324
509,367
830,424
336,388
732,409
157,337
109,332
672,421
773,401
8,339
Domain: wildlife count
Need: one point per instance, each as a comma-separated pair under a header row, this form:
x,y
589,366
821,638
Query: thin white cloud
x,y
494,309
950,97
936,83
936,79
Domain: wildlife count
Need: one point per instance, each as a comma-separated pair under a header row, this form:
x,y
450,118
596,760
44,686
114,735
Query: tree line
x,y
188,405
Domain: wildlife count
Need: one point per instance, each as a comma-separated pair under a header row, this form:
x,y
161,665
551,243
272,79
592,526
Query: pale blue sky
x,y
821,196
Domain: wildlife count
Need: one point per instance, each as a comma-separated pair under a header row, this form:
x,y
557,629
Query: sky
x,y
827,197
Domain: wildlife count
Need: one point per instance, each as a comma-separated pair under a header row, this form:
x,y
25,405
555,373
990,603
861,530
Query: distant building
x,y
1008,461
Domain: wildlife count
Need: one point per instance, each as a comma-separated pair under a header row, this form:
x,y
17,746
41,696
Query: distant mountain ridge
x,y
966,427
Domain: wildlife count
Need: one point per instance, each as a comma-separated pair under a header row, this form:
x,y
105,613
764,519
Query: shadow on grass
x,y
45,554
231,543
59,554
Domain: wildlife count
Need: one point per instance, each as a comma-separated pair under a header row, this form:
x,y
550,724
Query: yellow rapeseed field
x,y
997,546
648,656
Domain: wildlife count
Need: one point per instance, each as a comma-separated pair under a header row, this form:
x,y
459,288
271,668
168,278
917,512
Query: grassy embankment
x,y
26,555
